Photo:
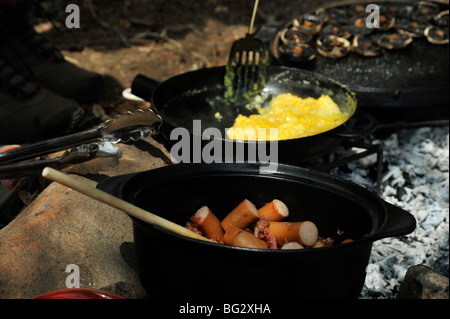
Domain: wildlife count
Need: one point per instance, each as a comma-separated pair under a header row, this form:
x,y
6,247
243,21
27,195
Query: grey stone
x,y
62,227
422,282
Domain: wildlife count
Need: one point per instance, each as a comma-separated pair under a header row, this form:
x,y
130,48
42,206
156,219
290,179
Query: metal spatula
x,y
246,68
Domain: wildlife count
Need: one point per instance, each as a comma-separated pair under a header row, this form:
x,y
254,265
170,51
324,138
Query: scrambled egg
x,y
218,116
294,117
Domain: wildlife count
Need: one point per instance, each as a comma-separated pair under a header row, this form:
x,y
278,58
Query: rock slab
x,y
422,282
62,229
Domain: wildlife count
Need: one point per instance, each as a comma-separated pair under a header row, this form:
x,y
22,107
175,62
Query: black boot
x,y
32,53
29,113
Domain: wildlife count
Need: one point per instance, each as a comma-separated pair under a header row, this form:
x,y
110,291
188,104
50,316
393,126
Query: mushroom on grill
x,y
332,46
441,19
386,22
308,23
364,45
297,53
424,11
336,29
293,34
436,35
411,28
393,10
393,40
332,15
358,26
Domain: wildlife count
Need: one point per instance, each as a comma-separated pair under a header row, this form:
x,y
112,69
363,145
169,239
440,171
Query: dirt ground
x,y
157,38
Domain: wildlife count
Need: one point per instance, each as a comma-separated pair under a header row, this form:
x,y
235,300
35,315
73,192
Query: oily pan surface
x,y
198,95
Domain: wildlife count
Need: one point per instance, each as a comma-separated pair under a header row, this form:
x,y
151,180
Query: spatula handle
x,y
252,22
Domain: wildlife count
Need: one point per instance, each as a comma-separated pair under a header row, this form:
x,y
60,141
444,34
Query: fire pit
x,y
416,179
407,166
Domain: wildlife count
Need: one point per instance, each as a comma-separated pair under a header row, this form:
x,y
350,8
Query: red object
x,y
12,182
78,293
7,148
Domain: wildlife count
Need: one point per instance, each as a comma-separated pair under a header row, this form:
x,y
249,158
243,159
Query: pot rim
x,y
395,221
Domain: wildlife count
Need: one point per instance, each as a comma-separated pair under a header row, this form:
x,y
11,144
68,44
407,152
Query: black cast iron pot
x,y
170,265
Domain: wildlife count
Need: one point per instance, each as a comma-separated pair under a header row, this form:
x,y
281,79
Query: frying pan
x,y
187,97
407,84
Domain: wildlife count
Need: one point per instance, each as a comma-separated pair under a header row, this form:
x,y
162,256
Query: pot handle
x,y
398,222
144,87
358,127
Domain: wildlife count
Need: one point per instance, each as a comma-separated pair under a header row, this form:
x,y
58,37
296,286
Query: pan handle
x,y
398,222
144,87
358,127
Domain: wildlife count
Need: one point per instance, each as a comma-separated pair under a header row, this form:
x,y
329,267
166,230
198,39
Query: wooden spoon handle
x,y
118,203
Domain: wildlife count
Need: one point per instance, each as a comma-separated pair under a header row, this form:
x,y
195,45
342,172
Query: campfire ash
x,y
416,178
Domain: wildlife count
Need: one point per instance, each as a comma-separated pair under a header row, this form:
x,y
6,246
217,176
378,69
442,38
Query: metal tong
x,y
81,146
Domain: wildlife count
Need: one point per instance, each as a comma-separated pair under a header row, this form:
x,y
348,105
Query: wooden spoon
x,y
121,205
